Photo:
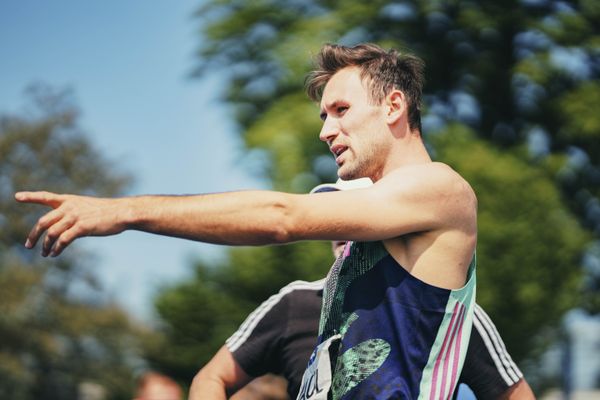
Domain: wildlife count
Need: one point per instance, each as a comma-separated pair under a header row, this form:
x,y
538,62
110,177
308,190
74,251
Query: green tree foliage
x,y
508,102
56,331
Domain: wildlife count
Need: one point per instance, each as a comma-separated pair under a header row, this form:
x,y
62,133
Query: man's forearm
x,y
237,218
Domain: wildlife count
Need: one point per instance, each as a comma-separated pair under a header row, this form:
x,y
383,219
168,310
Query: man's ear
x,y
396,106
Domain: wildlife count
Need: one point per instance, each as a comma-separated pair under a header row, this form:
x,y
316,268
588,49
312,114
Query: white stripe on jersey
x,y
495,346
247,327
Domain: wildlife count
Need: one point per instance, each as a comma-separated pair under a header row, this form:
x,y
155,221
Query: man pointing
x,y
397,306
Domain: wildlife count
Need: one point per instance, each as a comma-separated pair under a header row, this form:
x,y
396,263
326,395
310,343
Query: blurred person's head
x,y
337,246
155,386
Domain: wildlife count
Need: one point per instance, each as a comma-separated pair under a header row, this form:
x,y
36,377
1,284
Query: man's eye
x,y
323,116
341,110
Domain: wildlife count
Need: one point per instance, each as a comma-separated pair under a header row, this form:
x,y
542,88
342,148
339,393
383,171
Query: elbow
x,y
284,225
280,236
282,232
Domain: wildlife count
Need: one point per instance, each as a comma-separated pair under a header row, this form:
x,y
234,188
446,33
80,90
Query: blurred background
x,y
114,98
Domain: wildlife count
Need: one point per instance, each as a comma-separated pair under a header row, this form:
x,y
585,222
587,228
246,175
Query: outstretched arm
x,y
249,218
413,199
218,379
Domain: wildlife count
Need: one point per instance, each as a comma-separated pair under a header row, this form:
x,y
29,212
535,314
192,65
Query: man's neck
x,y
407,151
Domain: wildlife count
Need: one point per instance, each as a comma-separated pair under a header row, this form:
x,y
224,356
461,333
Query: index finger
x,y
44,198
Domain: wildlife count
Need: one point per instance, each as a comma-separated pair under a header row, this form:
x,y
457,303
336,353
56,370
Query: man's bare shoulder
x,y
435,184
432,174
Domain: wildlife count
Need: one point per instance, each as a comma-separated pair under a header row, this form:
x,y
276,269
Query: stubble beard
x,y
349,174
360,167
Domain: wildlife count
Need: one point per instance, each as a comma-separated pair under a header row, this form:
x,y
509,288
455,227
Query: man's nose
x,y
329,130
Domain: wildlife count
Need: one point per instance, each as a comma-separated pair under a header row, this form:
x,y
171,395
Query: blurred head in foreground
x,y
155,386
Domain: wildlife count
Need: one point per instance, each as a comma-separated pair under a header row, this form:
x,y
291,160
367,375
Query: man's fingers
x,y
63,224
54,234
45,198
65,239
42,225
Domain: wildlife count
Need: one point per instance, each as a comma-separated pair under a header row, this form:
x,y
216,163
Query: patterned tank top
x,y
387,334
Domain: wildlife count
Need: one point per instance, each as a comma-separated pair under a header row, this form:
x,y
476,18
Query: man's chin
x,y
347,174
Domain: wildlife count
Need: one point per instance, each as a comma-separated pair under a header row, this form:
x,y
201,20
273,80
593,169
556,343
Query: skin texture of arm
x,y
218,379
519,391
415,198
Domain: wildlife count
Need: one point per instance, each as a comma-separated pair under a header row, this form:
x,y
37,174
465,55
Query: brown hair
x,y
382,70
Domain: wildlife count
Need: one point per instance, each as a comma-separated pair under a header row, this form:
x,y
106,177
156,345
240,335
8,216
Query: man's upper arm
x,y
489,369
221,375
411,199
250,352
256,345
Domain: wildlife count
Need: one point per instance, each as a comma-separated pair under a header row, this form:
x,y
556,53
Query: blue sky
x,y
128,64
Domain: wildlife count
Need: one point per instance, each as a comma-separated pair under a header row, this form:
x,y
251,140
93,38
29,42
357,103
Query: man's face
x,y
354,128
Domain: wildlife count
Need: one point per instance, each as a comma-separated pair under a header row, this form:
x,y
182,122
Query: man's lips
x,y
338,150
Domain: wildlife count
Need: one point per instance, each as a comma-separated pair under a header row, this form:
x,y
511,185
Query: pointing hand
x,y
71,217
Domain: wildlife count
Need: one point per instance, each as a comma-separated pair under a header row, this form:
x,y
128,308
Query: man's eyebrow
x,y
331,104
